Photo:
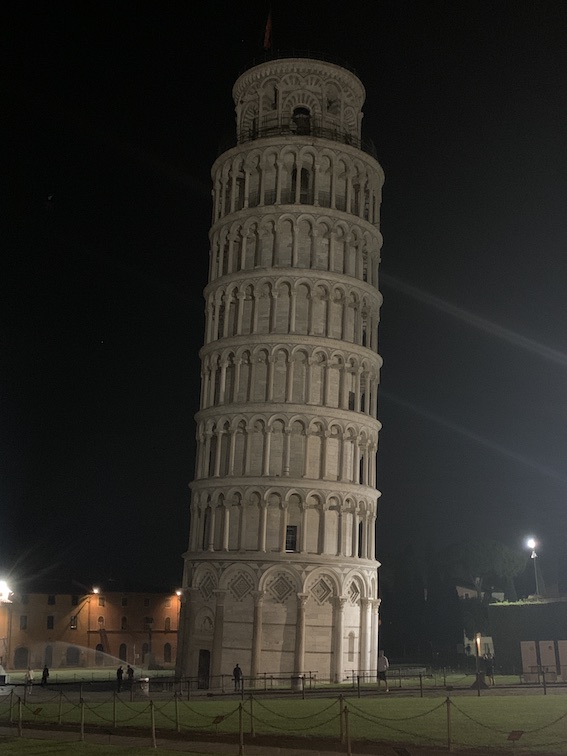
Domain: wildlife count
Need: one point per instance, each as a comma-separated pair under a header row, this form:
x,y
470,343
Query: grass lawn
x,y
475,721
27,747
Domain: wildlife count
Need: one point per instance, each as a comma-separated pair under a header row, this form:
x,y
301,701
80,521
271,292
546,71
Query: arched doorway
x,y
99,654
21,658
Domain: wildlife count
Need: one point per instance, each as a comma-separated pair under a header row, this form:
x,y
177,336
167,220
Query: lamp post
x,y
531,544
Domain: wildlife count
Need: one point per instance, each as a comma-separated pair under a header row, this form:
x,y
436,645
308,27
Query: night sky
x,y
112,114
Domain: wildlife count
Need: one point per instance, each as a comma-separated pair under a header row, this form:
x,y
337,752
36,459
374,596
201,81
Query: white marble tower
x,y
281,573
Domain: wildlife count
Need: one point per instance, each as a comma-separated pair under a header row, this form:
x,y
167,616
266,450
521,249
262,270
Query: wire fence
x,y
340,721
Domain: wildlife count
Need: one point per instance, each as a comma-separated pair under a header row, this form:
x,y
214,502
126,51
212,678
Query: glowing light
x,y
178,593
5,592
531,543
96,590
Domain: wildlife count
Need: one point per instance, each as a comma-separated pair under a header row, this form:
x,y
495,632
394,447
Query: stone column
x,y
364,646
216,662
373,661
226,526
263,523
212,523
338,631
185,632
257,634
299,663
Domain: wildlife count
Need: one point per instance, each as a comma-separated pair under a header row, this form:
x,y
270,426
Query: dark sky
x,y
112,116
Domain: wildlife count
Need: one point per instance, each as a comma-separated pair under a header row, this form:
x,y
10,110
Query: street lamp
x,y
531,544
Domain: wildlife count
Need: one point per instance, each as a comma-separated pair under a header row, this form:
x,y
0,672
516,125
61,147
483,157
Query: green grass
x,y
27,747
482,721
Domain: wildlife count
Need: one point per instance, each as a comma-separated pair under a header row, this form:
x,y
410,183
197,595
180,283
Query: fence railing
x,y
335,721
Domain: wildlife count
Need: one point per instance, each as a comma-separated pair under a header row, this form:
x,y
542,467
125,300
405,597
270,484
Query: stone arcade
x,y
281,574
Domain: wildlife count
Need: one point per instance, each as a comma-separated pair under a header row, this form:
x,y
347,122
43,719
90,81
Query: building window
x,y
124,623
167,624
101,601
146,602
101,621
51,600
291,538
74,601
148,621
24,599
124,601
302,120
23,621
123,652
167,653
73,623
168,603
50,622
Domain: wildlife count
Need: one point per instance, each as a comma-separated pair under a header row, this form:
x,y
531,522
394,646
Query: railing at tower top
x,y
315,127
270,55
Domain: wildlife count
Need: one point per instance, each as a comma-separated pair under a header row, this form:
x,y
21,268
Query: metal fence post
x,y
252,727
20,730
341,723
82,720
347,732
176,699
240,731
153,720
449,744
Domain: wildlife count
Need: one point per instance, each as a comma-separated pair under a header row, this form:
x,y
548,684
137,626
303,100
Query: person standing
x,y
237,674
129,675
29,679
383,666
44,676
119,676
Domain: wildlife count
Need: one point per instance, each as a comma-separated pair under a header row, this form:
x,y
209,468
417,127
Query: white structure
x,y
280,573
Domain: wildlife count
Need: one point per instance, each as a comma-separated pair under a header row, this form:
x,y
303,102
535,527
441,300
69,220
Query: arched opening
x,y
99,654
122,652
21,658
302,120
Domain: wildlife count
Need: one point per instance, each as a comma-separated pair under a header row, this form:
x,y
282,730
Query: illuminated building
x,y
280,573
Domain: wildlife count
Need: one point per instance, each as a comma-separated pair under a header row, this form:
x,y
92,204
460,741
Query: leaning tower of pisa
x,y
280,573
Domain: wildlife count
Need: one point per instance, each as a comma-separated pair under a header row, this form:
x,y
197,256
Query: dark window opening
x,y
51,599
50,622
302,120
73,622
291,538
